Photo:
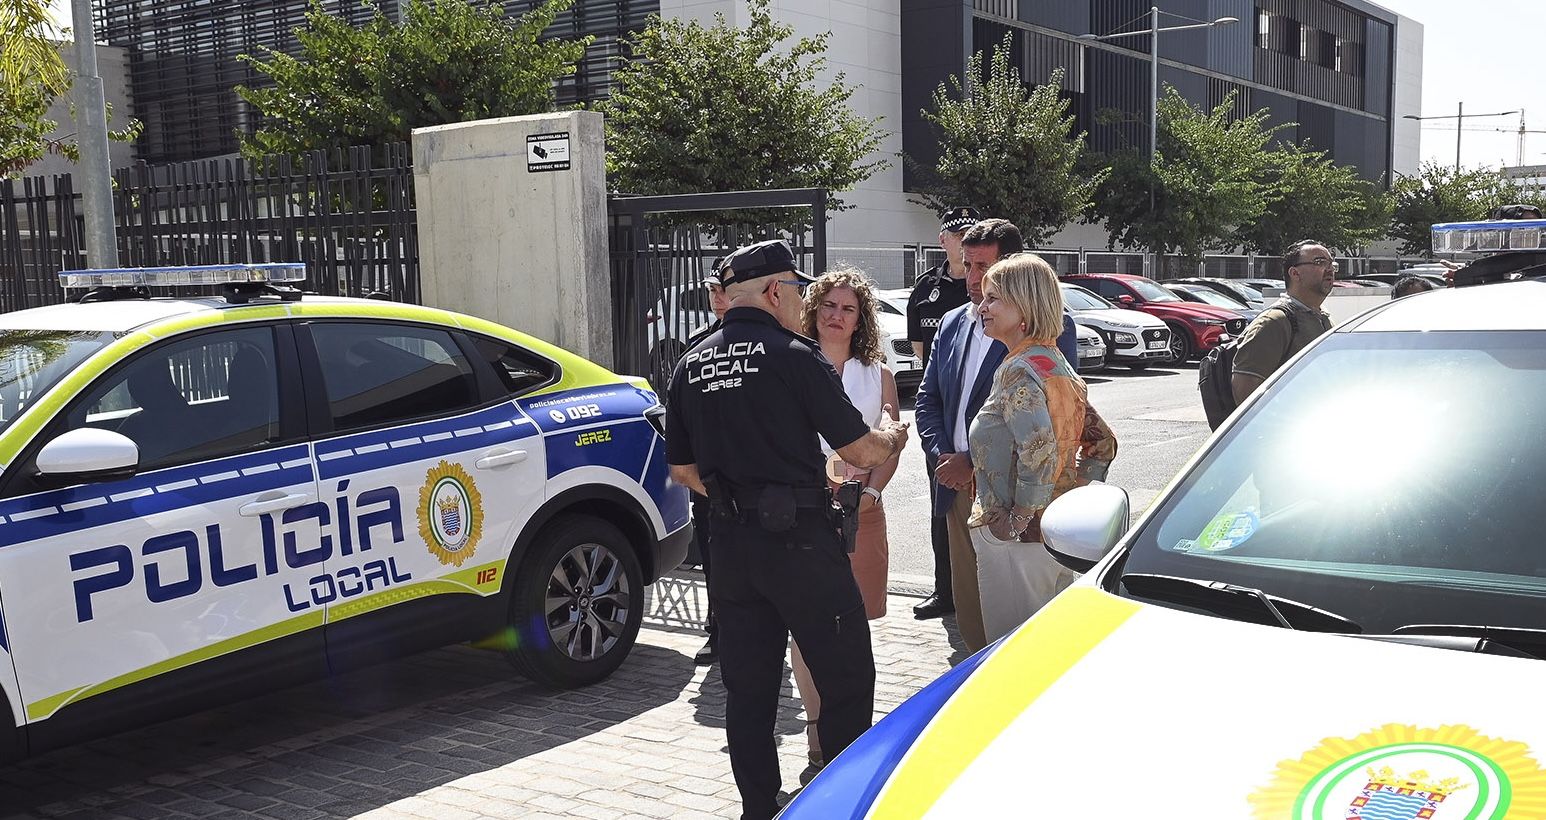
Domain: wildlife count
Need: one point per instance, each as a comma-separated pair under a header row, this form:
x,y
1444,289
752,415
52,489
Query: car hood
x,y
1193,309
1103,707
1119,317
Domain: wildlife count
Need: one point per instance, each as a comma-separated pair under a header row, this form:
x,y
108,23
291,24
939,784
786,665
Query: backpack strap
x,y
1293,330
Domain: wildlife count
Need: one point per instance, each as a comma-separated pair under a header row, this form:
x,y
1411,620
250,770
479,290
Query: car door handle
x,y
273,501
499,458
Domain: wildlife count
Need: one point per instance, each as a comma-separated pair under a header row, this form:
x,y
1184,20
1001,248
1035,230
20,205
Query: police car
x,y
1314,620
204,498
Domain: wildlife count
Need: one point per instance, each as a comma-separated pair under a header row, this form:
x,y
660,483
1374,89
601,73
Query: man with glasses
x,y
1290,323
746,406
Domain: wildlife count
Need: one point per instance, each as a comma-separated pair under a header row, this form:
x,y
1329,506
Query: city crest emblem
x,y
450,513
1403,772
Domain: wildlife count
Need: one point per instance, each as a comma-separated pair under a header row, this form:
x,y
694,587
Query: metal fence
x,y
661,247
347,216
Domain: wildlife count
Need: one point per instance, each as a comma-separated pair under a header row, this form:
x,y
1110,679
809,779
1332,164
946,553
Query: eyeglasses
x,y
801,284
1323,262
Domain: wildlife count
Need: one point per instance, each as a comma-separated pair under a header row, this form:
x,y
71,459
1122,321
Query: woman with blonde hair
x,y
841,312
1036,437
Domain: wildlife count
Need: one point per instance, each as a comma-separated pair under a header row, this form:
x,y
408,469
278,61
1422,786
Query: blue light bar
x,y
256,273
1490,236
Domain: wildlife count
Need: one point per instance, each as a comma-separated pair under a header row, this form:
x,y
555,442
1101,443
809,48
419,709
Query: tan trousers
x,y
963,574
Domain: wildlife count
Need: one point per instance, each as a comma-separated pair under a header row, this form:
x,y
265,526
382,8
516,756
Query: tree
x,y
1312,197
1008,149
724,108
449,61
1439,194
32,76
1204,184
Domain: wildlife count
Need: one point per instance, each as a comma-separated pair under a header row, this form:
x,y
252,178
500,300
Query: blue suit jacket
x,y
939,396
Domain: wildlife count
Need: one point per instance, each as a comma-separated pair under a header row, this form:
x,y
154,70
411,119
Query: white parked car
x,y
1092,349
1133,338
907,367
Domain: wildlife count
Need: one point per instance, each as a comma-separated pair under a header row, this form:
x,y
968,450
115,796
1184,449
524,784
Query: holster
x,y
845,506
721,500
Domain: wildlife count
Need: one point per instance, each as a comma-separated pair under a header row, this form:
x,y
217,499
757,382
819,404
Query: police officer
x,y
939,290
747,404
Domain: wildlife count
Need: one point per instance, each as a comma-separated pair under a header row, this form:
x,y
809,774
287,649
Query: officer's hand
x,y
954,471
892,427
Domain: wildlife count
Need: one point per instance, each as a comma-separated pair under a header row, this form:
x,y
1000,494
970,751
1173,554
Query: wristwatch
x,y
872,493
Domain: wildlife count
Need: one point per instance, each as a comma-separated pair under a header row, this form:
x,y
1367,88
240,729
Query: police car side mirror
x,y
1083,524
88,454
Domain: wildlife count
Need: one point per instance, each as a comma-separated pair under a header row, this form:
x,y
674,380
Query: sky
x,y
1485,53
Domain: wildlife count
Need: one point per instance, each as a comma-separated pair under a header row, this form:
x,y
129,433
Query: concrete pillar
x,y
512,217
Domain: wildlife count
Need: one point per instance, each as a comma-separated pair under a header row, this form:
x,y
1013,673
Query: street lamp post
x,y
96,167
1459,117
1154,32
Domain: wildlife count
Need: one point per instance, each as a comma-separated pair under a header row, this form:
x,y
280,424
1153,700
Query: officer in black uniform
x,y
747,404
701,520
940,290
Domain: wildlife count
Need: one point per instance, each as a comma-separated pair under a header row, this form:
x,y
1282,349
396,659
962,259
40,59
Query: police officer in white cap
x,y
746,407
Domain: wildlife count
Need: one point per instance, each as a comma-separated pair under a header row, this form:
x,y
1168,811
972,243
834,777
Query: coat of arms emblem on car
x,y
1404,772
450,513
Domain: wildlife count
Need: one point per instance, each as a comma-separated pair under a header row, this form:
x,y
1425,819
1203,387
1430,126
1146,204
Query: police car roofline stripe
x,y
1027,665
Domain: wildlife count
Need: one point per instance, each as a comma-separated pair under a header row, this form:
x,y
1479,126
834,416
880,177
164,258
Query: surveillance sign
x,y
547,152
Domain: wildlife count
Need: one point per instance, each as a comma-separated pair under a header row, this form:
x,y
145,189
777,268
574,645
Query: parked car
x,y
1092,349
906,367
1133,338
1263,284
1205,295
1390,279
207,498
1200,667
1195,328
1241,294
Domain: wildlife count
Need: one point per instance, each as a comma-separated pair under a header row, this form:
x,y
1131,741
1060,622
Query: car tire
x,y
1180,344
576,603
663,361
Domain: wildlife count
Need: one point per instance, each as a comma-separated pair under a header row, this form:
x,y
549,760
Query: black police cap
x,y
759,260
956,220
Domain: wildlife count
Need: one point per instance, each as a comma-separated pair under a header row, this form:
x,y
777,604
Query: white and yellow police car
x,y
204,498
1316,619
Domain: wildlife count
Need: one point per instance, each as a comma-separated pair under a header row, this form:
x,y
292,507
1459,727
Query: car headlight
x,y
1124,338
1207,322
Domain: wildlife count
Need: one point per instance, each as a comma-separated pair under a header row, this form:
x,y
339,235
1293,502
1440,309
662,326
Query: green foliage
x,y
449,61
725,108
28,52
1439,193
1207,181
1008,149
1311,197
27,134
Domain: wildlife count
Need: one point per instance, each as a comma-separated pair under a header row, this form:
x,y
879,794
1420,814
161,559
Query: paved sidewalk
x,y
455,734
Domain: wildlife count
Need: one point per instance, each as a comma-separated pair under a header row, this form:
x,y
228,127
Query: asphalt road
x,y
1156,415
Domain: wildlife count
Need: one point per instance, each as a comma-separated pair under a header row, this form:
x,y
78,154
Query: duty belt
x,y
811,498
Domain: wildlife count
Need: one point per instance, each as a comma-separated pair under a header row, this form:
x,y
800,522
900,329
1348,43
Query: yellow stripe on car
x,y
1027,665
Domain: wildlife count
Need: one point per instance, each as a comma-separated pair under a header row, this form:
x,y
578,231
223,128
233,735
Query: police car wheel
x,y
578,601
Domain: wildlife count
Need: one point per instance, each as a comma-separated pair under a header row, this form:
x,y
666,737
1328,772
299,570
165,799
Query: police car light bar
x,y
258,273
1491,236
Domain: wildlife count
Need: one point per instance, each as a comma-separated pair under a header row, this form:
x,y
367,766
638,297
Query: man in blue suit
x,y
956,382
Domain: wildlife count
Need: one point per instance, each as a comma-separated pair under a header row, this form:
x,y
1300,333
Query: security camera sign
x,y
547,152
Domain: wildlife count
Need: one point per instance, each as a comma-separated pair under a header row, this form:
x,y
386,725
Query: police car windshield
x,y
1394,478
31,361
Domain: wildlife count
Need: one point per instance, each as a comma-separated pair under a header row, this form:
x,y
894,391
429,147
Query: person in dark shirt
x,y
719,302
939,290
748,404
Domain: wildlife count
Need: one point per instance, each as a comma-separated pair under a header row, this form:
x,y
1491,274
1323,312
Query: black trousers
x,y
702,523
939,535
764,588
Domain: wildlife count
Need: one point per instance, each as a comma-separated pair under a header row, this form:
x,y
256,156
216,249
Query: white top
x,y
862,384
977,345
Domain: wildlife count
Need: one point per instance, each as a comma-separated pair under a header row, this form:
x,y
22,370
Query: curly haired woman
x,y
841,313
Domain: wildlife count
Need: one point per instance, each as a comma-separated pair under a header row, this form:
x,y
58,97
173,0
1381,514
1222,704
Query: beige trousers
x,y
963,573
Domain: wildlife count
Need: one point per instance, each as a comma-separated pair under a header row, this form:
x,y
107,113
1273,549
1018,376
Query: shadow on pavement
x,y
338,747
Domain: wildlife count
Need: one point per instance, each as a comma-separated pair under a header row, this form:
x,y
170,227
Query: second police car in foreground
x,y
1314,620
204,498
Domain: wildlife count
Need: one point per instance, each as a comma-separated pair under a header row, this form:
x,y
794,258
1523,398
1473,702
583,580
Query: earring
x,y
1023,328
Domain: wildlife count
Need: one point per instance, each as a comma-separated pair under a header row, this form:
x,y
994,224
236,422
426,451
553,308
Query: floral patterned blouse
x,y
1036,437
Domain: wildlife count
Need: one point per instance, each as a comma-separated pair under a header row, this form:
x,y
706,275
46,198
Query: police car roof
x,y
127,314
1504,306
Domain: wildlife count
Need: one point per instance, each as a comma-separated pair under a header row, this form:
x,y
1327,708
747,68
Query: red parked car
x,y
1195,328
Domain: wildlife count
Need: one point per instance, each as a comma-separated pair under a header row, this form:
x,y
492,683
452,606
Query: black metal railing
x,y
350,218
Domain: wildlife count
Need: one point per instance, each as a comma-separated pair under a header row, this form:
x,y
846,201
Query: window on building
x,y
1263,29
